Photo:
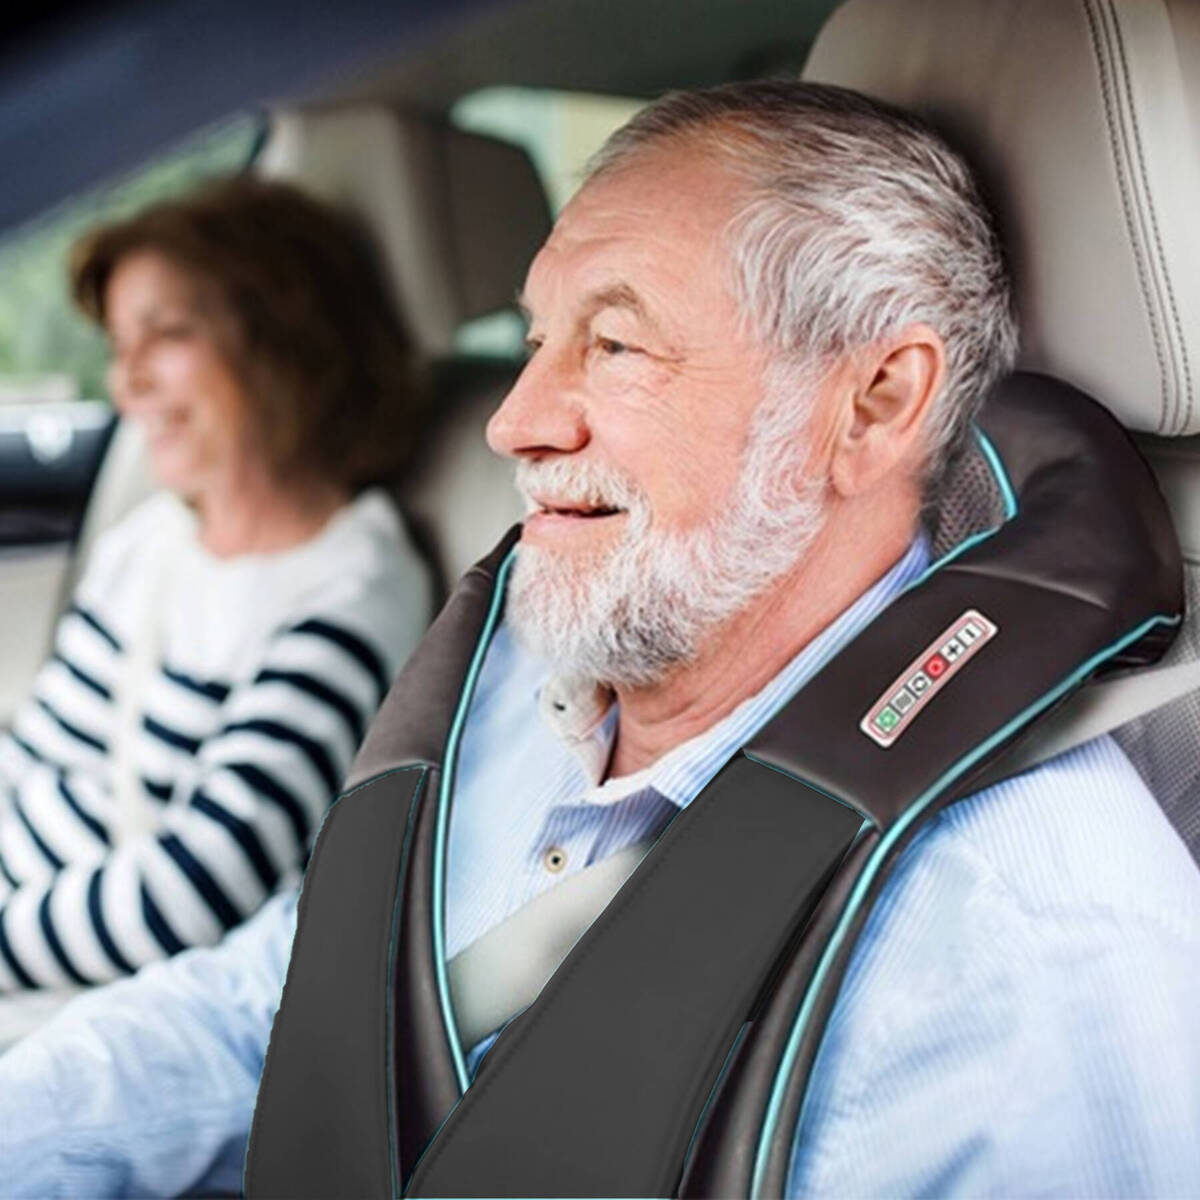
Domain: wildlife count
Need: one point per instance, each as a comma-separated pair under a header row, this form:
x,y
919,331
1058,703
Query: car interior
x,y
456,215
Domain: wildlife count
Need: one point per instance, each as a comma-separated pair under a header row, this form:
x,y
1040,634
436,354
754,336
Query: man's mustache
x,y
577,483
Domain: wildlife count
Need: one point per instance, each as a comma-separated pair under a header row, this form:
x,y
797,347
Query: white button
x,y
555,859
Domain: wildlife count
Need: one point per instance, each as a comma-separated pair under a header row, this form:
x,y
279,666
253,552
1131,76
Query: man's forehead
x,y
634,230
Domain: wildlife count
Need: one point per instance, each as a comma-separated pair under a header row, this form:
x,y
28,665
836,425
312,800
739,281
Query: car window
x,y
48,350
560,131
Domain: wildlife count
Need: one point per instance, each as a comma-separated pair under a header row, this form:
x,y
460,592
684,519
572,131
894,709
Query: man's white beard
x,y
642,609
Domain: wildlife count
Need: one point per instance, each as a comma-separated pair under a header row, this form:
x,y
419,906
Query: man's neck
x,y
748,651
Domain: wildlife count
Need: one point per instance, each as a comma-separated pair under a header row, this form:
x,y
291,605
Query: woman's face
x,y
171,373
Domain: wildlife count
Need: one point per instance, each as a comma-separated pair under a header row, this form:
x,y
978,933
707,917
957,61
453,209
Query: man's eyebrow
x,y
617,295
614,295
621,295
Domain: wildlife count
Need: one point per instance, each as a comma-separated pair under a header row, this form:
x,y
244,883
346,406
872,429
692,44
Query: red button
x,y
936,666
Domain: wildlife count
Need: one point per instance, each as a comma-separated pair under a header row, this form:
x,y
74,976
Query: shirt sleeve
x,y
148,1087
243,811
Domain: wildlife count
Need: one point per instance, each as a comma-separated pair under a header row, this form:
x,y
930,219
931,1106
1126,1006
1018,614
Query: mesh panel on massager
x,y
1164,746
970,502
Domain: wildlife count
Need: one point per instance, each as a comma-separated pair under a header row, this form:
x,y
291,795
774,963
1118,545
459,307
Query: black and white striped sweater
x,y
267,670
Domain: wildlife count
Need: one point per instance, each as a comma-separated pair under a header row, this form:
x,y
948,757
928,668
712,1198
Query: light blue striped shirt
x,y
1021,1013
560,818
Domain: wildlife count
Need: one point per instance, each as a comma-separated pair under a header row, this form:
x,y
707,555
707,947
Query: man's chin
x,y
596,619
550,579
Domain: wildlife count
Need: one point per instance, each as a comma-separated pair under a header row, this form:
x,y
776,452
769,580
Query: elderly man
x,y
756,334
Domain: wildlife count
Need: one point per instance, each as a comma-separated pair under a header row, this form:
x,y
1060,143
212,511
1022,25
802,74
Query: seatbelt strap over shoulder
x,y
1097,710
503,971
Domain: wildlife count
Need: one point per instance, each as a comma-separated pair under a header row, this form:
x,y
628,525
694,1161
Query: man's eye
x,y
612,348
532,346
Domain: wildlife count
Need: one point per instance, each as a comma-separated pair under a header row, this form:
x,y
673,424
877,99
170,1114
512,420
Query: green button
x,y
887,720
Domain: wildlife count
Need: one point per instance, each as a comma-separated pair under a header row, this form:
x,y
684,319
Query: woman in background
x,y
230,639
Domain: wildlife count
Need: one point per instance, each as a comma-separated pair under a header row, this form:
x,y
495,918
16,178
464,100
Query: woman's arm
x,y
235,830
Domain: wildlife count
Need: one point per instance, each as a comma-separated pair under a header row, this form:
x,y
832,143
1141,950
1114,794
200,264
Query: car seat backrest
x,y
456,218
121,484
1078,116
1082,117
459,496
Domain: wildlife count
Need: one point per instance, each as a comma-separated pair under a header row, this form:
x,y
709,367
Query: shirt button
x,y
555,859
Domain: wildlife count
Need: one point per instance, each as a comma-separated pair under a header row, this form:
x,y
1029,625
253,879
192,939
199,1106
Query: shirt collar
x,y
583,716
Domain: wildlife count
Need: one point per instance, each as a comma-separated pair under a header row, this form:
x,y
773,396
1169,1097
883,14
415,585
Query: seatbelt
x,y
503,971
1097,710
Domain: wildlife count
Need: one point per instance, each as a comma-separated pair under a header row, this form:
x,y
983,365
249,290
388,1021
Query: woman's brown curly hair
x,y
330,376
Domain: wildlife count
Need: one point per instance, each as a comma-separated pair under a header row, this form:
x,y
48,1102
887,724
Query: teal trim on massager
x,y
858,812
443,820
1011,508
876,861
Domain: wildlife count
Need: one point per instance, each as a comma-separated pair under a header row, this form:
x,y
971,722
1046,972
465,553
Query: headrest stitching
x,y
1106,89
1164,265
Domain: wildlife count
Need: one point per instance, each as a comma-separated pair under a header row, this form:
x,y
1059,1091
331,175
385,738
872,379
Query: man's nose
x,y
543,413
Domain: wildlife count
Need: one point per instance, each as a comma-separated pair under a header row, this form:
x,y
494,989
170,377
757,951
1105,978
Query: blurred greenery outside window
x,y
559,131
48,349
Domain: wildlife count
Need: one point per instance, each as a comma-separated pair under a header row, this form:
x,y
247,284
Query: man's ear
x,y
883,422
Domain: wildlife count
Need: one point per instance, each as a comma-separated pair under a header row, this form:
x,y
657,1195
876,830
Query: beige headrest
x,y
1083,119
457,217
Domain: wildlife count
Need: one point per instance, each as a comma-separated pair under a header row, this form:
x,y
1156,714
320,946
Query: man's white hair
x,y
858,220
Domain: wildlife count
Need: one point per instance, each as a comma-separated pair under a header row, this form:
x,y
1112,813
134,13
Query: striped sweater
x,y
266,671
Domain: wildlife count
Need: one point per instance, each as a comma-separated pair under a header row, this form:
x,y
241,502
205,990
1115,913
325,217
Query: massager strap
x,y
631,1053
615,1058
600,1086
360,1072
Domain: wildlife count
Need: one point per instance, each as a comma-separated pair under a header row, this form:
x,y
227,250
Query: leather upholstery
x,y
456,216
458,496
1083,119
1176,463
